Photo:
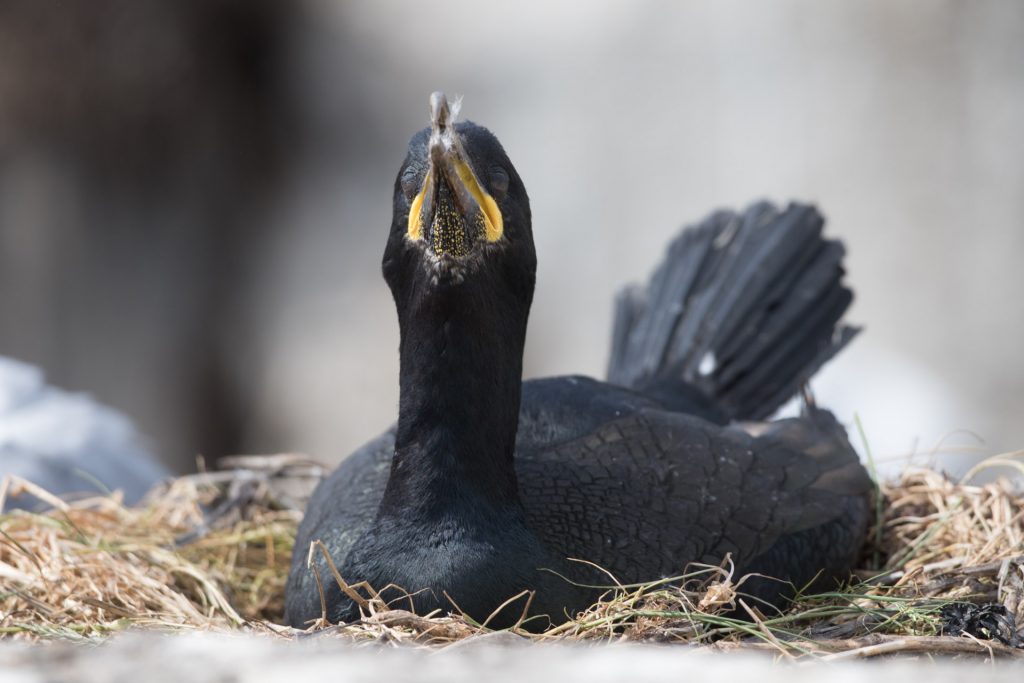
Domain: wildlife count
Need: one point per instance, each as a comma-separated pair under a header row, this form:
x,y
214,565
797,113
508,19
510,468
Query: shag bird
x,y
489,486
67,443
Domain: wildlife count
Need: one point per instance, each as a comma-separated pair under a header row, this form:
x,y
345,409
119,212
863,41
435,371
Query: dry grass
x,y
211,552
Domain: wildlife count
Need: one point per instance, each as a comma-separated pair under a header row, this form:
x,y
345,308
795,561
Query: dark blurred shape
x,y
141,145
989,621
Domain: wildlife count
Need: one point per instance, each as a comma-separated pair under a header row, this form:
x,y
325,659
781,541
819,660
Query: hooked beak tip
x,y
440,112
441,132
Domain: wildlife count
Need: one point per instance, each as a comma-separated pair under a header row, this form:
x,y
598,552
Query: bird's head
x,y
461,214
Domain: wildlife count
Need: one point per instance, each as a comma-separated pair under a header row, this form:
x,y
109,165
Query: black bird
x,y
487,485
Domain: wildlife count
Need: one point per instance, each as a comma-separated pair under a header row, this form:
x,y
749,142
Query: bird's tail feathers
x,y
744,307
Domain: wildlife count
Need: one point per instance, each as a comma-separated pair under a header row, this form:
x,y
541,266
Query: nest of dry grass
x,y
211,552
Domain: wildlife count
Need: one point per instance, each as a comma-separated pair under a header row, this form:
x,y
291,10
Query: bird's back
x,y
644,491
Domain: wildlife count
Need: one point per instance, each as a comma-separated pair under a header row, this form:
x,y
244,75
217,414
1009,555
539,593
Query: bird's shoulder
x,y
343,505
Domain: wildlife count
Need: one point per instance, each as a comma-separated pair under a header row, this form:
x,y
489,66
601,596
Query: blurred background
x,y
194,194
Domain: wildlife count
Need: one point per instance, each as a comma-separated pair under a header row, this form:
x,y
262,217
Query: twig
x,y
877,645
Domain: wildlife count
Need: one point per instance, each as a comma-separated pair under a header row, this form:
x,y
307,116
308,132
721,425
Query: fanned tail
x,y
745,308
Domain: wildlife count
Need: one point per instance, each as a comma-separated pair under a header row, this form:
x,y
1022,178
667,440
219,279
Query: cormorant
x,y
488,485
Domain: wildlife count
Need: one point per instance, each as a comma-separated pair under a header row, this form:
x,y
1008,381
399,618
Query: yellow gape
x,y
415,229
493,223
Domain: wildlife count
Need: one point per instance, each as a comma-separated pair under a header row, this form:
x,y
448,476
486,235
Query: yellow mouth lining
x,y
494,224
415,229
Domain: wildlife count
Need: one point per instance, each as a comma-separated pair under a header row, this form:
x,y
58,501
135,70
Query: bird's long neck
x,y
460,380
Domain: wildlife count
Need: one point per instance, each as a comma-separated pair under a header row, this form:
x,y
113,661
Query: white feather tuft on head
x,y
454,108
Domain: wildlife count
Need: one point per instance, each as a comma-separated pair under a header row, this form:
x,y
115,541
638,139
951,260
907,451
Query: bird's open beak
x,y
452,210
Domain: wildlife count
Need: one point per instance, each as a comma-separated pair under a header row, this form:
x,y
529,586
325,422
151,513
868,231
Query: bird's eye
x,y
409,180
499,182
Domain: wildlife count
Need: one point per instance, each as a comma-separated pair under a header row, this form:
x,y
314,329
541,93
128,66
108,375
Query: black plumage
x,y
487,485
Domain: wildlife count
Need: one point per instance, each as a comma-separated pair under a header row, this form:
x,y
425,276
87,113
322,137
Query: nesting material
x,y
211,552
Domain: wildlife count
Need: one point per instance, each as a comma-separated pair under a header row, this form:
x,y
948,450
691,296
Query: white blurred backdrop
x,y
901,120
